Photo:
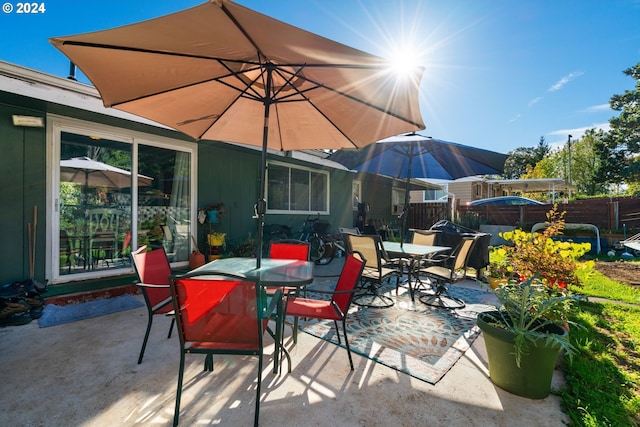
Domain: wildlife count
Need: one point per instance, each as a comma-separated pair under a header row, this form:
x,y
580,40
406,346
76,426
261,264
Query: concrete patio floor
x,y
85,374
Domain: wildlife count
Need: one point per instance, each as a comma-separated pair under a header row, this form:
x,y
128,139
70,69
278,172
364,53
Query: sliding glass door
x,y
114,192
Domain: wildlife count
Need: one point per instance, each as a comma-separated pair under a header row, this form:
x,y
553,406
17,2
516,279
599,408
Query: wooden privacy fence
x,y
424,215
605,213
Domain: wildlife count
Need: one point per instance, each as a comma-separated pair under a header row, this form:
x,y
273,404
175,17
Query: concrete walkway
x,y
85,374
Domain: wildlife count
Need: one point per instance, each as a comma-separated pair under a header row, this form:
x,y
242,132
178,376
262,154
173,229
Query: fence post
x,y
614,215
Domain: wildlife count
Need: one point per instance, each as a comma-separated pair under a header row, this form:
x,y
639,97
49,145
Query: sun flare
x,y
404,61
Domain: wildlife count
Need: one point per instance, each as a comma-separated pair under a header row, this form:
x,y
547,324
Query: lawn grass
x,y
603,380
599,285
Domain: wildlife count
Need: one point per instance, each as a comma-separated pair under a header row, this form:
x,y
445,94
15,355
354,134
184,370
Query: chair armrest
x,y
320,291
150,285
437,259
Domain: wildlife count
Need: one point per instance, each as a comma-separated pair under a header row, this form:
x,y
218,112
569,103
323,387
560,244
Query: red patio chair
x,y
220,314
153,272
290,249
338,306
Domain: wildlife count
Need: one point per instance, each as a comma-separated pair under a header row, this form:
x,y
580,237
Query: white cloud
x,y
535,101
597,108
515,118
576,133
563,81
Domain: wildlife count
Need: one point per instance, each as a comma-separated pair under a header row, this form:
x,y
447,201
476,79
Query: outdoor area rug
x,y
416,339
53,315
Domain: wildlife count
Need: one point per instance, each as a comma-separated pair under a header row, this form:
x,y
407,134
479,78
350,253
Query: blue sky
x,y
500,74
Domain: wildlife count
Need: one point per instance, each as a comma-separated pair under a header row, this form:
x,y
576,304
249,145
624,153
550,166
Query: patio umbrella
x,y
92,173
220,71
417,156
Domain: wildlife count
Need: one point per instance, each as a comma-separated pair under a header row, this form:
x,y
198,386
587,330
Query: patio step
x,y
90,295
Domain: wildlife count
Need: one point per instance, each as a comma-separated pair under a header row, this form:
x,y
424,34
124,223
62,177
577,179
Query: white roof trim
x,y
38,85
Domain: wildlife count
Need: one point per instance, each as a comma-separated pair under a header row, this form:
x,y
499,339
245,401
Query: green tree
x,y
549,167
619,150
523,158
584,164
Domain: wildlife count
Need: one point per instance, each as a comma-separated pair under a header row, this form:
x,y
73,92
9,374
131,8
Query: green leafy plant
x,y
245,248
499,266
527,309
545,270
554,262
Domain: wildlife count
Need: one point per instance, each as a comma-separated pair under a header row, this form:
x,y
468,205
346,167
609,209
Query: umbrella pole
x,y
261,204
405,210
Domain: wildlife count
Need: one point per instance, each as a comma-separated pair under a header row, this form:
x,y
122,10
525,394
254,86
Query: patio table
x,y
415,253
271,273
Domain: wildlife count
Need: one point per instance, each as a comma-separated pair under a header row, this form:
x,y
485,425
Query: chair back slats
x,y
349,277
289,249
462,257
365,245
153,268
218,310
424,237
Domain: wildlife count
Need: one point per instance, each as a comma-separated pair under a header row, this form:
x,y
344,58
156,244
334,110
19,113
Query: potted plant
x,y
212,213
524,334
499,270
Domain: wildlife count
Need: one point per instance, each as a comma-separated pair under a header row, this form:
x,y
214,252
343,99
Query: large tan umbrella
x,y
92,173
220,71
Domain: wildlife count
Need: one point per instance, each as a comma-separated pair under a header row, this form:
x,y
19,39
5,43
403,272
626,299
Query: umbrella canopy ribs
x,y
220,71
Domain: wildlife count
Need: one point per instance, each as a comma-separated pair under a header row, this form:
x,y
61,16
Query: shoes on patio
x,y
21,302
37,306
26,288
14,313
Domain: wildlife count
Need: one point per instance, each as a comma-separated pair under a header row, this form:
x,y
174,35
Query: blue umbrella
x,y
417,156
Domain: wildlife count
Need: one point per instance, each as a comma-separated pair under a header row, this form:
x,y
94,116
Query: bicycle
x,y
323,246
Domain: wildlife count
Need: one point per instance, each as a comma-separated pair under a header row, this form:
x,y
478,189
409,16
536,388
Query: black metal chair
x,y
378,269
447,272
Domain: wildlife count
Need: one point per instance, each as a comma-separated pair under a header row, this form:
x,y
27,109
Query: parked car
x,y
505,200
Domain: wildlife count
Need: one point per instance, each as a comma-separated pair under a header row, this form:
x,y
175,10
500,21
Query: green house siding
x,y
23,169
226,172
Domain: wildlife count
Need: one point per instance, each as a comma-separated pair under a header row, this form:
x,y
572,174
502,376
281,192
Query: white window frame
x,y
299,212
397,200
55,126
356,193
444,188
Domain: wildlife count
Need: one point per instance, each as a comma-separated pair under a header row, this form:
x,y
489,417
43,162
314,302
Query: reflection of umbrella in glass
x,y
417,156
220,71
92,173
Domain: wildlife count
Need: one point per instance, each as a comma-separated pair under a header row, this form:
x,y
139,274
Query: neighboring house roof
x,y
538,185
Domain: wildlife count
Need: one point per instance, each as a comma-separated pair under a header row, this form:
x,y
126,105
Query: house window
x,y
296,189
114,190
436,195
397,200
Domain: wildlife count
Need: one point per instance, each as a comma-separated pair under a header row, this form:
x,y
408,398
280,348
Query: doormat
x,y
416,339
53,315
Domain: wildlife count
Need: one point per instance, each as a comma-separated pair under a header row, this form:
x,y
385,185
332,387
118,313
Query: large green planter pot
x,y
533,378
